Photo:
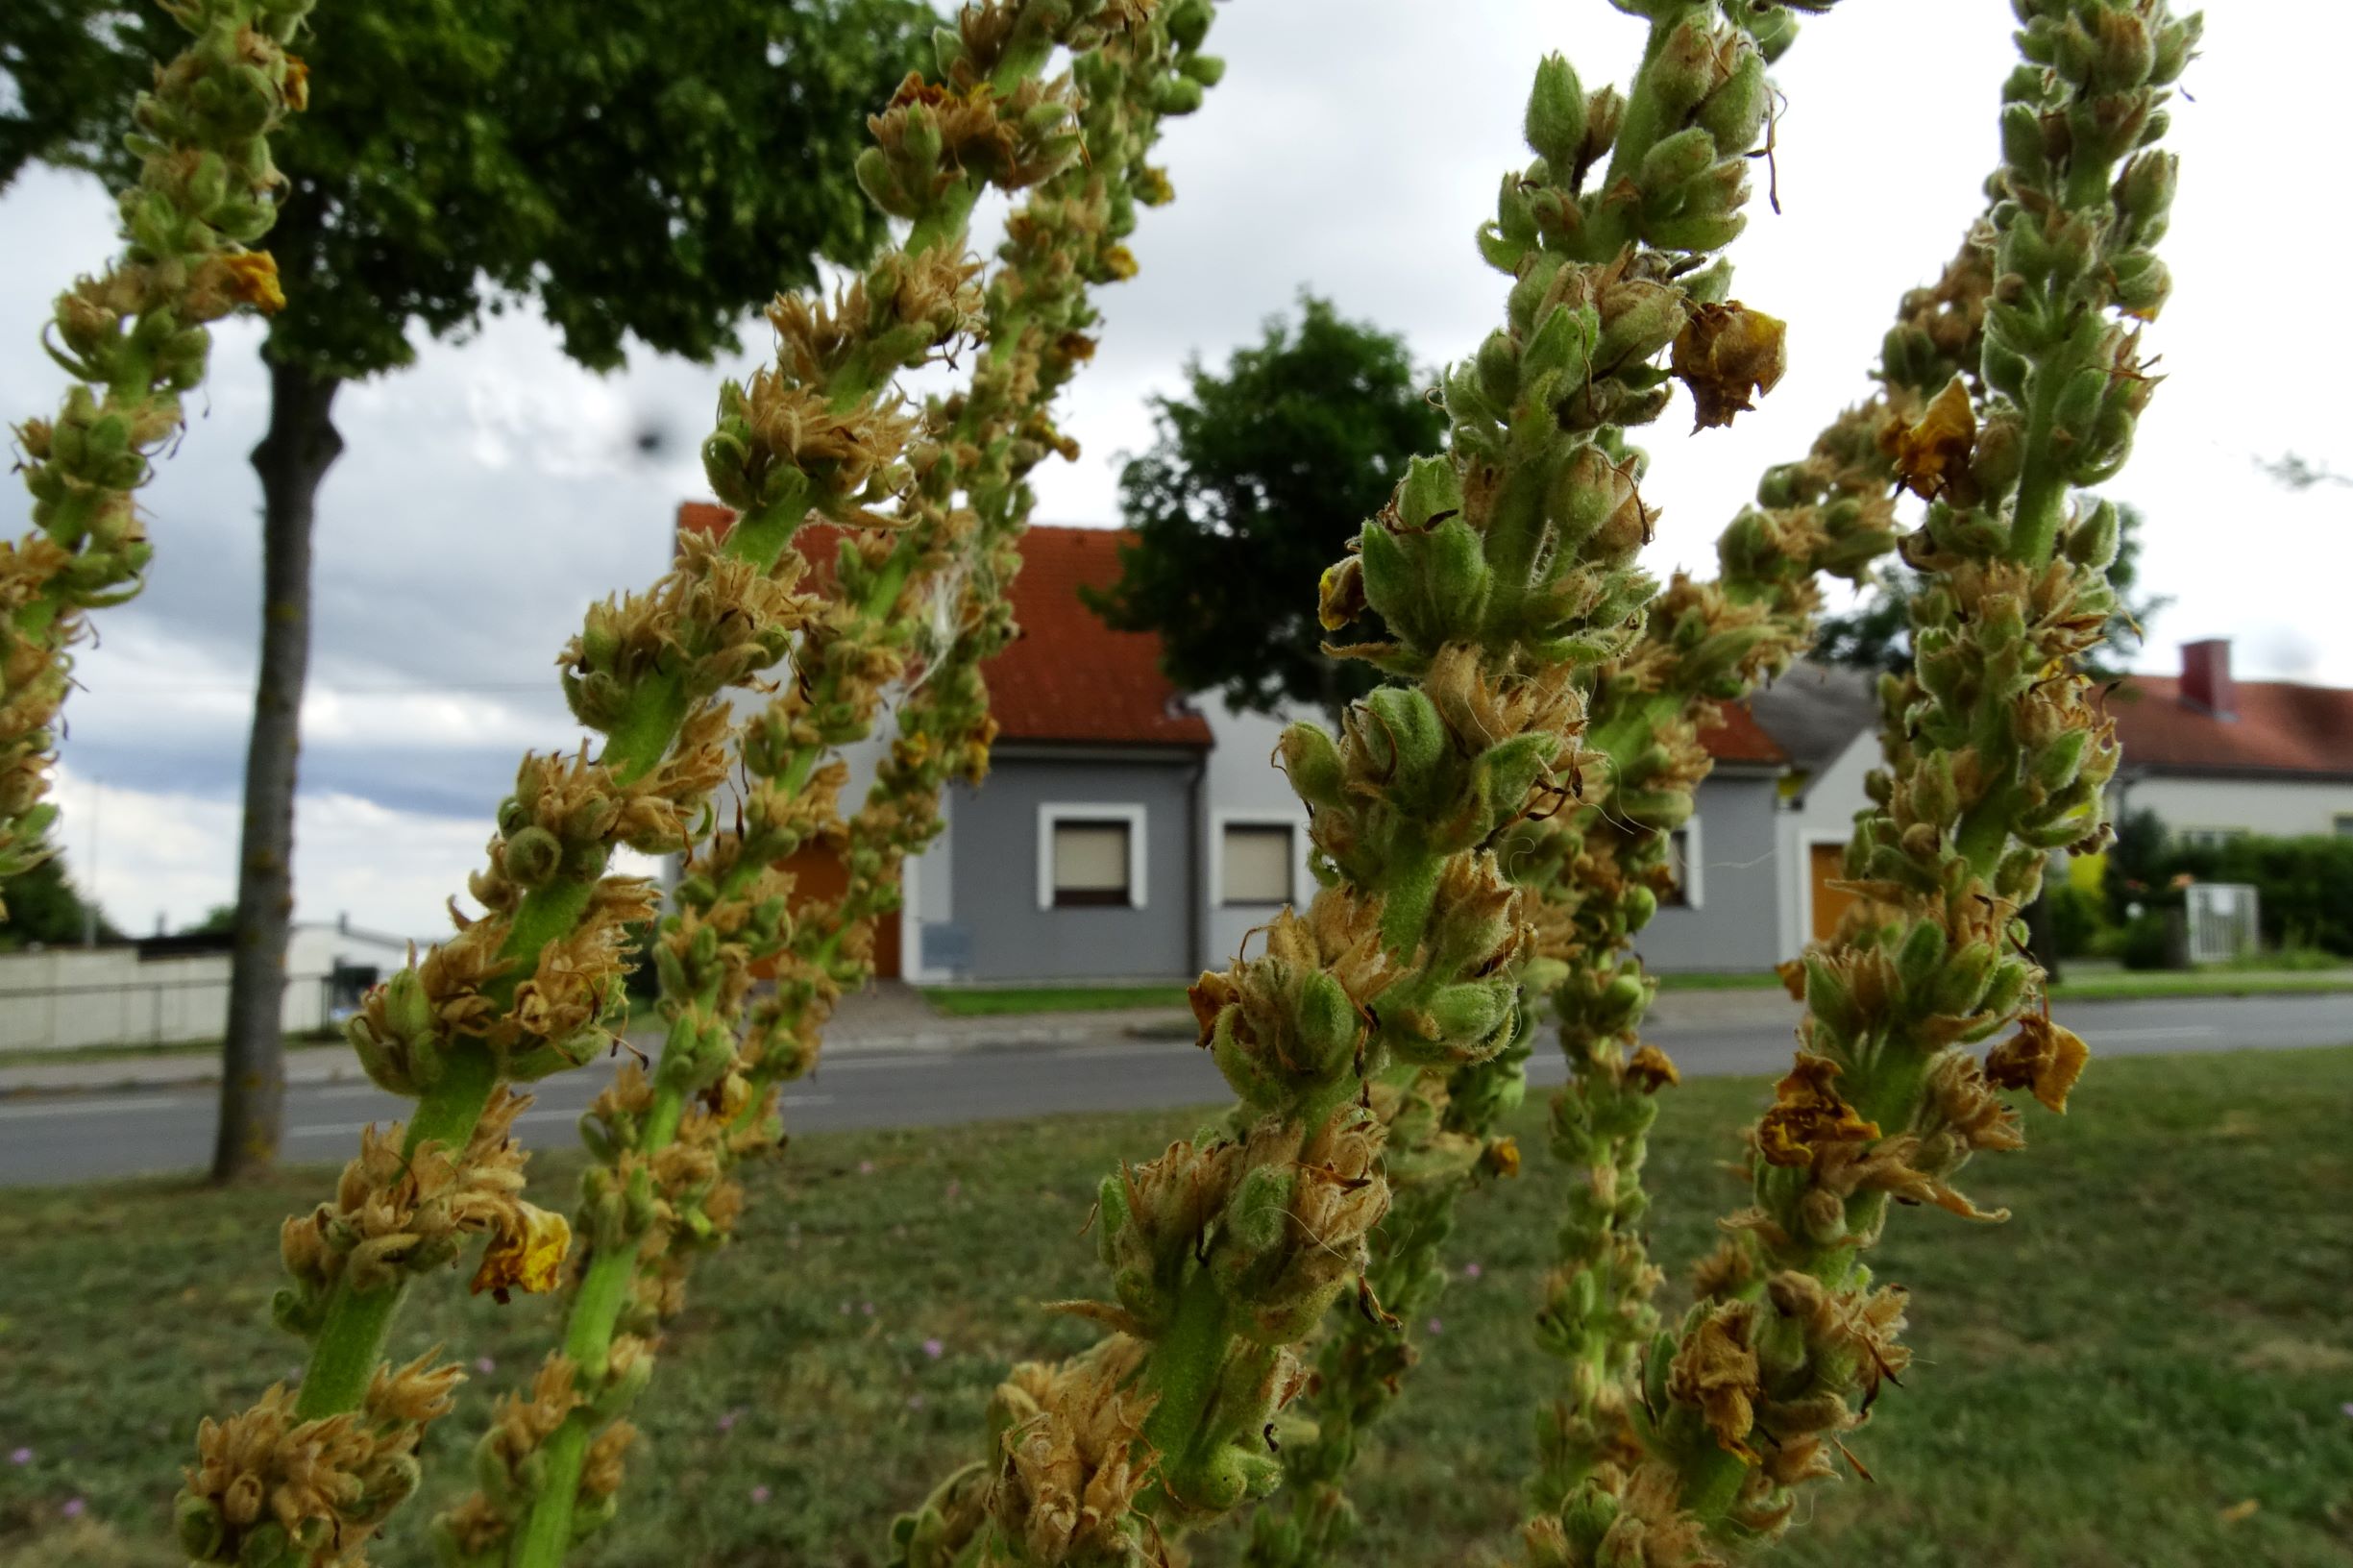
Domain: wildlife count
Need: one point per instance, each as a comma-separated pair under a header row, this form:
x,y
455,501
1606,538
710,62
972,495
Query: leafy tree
x,y
1256,482
2135,868
219,922
637,168
46,910
1877,634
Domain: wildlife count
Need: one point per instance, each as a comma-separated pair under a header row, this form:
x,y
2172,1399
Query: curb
x,y
337,1067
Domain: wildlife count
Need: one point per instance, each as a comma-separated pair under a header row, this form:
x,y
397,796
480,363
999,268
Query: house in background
x,y
2220,758
2213,757
1126,831
1828,719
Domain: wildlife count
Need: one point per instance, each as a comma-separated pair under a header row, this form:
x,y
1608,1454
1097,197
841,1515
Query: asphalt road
x,y
151,1131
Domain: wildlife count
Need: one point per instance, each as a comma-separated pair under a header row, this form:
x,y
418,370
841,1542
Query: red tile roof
x,y
2282,729
1740,738
1068,678
1071,680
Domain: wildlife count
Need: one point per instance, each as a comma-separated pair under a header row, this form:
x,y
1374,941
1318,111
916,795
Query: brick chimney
x,y
2205,677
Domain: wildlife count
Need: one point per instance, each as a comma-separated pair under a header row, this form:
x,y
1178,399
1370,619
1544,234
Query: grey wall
x,y
1737,926
993,862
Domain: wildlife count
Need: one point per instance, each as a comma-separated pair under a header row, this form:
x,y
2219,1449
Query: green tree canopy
x,y
637,167
46,909
1256,482
1877,633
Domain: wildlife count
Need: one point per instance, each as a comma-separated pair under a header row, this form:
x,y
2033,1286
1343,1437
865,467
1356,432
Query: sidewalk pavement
x,y
882,1018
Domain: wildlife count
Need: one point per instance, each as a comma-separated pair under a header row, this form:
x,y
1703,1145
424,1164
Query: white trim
x,y
911,923
1220,821
1695,884
1052,812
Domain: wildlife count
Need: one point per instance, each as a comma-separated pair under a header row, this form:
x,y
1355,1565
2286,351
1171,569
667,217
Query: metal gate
x,y
2224,921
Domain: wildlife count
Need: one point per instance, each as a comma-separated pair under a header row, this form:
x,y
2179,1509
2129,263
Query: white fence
x,y
62,999
2224,921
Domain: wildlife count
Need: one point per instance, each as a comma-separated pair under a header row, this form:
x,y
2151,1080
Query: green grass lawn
x,y
2160,1340
2126,984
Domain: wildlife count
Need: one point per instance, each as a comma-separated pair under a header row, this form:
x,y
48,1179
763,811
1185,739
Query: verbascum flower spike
x,y
1505,573
916,607
535,985
1601,867
135,339
1707,109
1995,754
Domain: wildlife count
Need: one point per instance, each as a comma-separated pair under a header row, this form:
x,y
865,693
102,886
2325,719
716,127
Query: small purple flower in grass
x,y
915,1402
1436,1327
73,1507
934,1349
866,1167
955,1188
24,1455
727,1422
867,1307
1471,1271
759,1494
484,1365
2347,1407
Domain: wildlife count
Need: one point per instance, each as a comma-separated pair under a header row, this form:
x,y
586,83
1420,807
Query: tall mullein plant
x,y
923,601
1504,571
1602,867
1996,753
135,338
1439,1118
534,986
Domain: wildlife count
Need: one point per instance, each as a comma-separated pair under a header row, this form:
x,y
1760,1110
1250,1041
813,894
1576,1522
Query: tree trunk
x,y
292,459
2042,936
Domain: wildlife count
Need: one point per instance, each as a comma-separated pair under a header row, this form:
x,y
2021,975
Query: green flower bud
x,y
1680,158
1313,763
1188,23
1207,69
1406,725
1735,113
197,1524
1174,95
1327,1023
532,857
1459,580
1430,488
1499,369
2093,540
1556,122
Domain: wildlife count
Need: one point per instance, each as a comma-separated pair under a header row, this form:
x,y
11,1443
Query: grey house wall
x,y
1738,924
993,862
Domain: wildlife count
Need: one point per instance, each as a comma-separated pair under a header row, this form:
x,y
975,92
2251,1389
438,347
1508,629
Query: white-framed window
x,y
1090,856
2208,838
1257,859
1683,860
2345,825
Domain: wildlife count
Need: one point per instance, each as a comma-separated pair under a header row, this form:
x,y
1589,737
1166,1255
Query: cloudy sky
x,y
493,489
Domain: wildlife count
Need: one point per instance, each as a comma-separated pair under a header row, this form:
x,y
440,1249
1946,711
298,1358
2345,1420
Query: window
x,y
1090,855
2209,838
1683,865
1090,863
2345,825
1255,863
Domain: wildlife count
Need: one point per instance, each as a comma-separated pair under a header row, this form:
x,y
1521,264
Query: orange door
x,y
818,876
1828,864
